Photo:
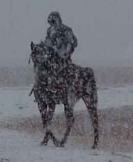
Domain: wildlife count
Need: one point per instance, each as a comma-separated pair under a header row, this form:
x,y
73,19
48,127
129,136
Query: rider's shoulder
x,y
66,28
49,30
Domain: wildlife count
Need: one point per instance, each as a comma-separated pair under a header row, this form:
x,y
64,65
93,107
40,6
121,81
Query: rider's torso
x,y
58,35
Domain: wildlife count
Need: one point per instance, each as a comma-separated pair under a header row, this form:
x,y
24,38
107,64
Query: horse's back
x,y
77,70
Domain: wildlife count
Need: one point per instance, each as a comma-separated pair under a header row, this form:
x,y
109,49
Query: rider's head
x,y
54,18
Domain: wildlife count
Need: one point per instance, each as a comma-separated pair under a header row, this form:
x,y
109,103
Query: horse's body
x,y
67,87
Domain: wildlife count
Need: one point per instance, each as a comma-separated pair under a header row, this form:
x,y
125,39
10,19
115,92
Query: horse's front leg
x,y
70,121
43,111
48,119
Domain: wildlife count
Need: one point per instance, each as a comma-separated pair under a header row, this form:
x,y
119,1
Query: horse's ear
x,y
32,45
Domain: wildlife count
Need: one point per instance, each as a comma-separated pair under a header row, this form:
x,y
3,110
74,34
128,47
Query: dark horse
x,y
54,86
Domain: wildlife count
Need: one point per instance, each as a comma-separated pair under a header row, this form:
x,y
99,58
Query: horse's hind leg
x,y
92,108
90,98
70,121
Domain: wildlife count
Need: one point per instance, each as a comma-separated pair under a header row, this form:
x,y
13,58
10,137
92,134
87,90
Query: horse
x,y
66,86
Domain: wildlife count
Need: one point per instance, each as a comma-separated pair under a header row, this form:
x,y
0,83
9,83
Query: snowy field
x,y
15,102
21,146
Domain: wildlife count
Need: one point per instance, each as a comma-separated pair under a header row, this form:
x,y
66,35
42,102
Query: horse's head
x,y
45,57
38,53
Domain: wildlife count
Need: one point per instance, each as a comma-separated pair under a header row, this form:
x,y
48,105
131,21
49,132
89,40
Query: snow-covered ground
x,y
15,102
20,147
16,146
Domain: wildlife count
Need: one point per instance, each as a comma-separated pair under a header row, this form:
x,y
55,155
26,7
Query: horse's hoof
x,y
56,143
44,143
94,146
62,144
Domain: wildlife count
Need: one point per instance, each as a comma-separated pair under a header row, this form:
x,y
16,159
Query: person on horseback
x,y
60,38
53,86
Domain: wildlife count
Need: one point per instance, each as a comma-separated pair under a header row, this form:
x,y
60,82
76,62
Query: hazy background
x,y
104,29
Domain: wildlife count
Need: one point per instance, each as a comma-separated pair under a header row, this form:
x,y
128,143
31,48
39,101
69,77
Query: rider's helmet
x,y
54,18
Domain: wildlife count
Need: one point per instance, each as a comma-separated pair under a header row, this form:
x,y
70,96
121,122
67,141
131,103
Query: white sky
x,y
104,29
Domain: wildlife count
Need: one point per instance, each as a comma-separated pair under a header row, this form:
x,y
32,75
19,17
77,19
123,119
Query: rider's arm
x,y
71,43
71,38
48,41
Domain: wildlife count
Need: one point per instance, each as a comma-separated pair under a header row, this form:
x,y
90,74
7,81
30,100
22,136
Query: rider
x,y
60,37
